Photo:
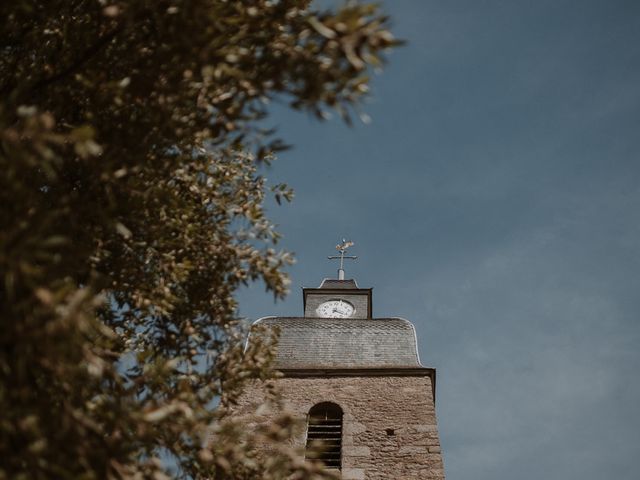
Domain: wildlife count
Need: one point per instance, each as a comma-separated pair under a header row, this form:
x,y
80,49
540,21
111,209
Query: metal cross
x,y
342,248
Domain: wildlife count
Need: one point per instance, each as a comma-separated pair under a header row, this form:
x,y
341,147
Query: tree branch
x,y
82,60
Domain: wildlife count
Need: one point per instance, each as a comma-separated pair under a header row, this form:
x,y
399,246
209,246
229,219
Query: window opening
x,y
324,434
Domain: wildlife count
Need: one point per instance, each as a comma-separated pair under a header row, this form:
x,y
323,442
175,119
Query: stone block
x,y
356,451
353,474
412,449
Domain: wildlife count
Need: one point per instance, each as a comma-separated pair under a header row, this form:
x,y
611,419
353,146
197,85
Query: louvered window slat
x,y
324,434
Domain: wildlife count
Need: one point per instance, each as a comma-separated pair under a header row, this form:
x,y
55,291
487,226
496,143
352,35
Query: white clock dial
x,y
335,309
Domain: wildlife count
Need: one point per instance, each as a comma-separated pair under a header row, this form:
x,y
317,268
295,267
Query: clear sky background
x,y
495,202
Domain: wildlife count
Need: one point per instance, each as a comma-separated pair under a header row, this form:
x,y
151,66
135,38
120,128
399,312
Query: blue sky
x,y
495,202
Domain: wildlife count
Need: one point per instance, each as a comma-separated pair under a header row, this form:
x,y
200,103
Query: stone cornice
x,y
363,372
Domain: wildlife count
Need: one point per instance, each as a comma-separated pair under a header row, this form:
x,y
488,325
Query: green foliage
x,y
130,213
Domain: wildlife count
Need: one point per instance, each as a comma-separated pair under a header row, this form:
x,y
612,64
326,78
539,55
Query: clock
x,y
335,309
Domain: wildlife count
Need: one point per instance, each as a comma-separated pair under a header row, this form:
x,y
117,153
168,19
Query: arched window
x,y
324,434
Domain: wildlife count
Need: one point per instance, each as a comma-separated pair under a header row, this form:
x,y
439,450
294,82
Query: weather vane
x,y
342,248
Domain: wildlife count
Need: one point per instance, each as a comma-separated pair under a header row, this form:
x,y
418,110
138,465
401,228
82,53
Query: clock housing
x,y
332,290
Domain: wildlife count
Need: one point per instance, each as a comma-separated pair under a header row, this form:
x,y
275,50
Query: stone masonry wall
x,y
389,424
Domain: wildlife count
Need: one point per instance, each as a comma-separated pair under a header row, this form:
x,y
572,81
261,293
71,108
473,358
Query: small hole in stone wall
x,y
390,432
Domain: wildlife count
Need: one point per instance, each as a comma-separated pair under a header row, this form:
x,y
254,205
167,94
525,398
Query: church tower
x,y
357,381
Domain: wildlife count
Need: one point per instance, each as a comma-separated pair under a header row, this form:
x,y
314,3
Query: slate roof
x,y
333,283
344,343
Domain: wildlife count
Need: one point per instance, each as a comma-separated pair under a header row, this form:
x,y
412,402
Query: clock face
x,y
335,309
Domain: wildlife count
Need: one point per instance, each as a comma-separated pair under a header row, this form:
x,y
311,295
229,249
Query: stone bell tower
x,y
358,383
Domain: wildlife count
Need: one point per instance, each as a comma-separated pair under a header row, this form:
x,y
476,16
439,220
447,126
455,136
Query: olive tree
x,y
132,157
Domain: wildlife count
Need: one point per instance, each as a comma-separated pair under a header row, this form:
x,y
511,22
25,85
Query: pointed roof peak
x,y
333,283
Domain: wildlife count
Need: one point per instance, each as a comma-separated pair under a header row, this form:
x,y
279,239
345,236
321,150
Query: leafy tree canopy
x,y
131,210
